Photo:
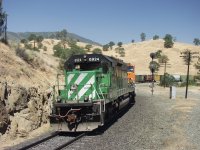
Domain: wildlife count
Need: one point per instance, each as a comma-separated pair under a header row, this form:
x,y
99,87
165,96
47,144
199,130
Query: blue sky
x,y
107,20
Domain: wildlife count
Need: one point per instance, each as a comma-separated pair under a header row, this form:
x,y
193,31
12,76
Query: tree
x,y
88,47
122,52
111,44
156,65
143,36
197,65
155,37
120,44
97,51
168,80
168,41
24,41
63,34
187,57
33,38
63,42
59,51
163,59
196,41
158,54
39,39
105,47
52,36
71,42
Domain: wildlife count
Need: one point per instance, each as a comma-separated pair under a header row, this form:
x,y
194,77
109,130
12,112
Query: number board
x,y
87,59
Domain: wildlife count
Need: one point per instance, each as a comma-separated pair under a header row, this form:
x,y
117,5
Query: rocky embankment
x,y
22,110
25,76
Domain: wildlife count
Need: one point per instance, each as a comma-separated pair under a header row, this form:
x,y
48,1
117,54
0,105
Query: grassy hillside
x,y
139,55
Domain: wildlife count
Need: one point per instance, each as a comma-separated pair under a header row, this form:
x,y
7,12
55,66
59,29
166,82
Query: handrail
x,y
104,100
101,90
96,91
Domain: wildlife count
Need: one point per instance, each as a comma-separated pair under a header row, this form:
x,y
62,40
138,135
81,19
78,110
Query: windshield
x,y
131,68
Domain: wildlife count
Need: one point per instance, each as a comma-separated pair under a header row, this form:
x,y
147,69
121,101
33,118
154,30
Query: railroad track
x,y
55,141
61,140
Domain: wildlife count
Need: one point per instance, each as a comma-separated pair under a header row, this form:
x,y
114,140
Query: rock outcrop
x,y
23,111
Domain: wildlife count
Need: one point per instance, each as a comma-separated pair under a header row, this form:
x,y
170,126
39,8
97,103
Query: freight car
x,y
147,78
96,88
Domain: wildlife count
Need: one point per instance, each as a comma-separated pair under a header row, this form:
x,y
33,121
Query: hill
x,y
139,55
29,74
12,36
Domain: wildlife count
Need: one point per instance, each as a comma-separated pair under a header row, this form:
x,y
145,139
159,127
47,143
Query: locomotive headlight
x,y
86,99
58,99
74,87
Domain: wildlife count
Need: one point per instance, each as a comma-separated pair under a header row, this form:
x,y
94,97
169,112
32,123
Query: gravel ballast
x,y
154,122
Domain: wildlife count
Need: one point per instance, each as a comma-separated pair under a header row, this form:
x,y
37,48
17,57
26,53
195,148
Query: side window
x,y
104,67
69,67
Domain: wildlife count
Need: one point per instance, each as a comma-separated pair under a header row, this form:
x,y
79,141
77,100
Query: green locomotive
x,y
95,88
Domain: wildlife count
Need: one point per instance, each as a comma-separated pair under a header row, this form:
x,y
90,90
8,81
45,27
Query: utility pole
x,y
188,71
187,56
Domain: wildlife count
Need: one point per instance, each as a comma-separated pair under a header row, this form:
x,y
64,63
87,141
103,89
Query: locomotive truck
x,y
95,88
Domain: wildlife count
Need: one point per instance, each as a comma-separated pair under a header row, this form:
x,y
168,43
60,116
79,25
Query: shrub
x,y
68,52
168,41
190,82
22,53
97,51
40,45
28,46
143,36
155,37
168,81
45,48
105,47
88,47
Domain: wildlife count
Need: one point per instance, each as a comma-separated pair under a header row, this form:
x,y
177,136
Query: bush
x,y
28,46
24,55
122,52
40,45
168,81
168,41
45,48
97,51
155,37
190,82
68,52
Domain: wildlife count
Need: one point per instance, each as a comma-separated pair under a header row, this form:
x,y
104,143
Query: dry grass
x,y
138,54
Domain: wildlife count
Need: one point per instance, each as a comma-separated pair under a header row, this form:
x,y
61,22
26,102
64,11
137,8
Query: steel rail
x,y
40,141
70,141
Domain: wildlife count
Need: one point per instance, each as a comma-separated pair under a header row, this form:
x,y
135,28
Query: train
x,y
95,88
131,73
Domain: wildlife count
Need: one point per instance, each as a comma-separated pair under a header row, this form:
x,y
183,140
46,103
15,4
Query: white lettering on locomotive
x,y
94,59
77,60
